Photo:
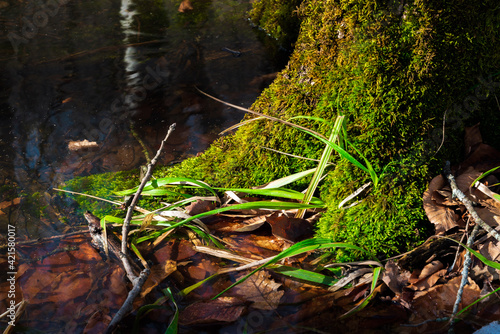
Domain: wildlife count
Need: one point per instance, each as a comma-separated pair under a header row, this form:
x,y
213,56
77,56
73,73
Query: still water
x,y
104,71
115,74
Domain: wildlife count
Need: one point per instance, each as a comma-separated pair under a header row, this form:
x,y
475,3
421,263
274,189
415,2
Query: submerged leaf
x,y
261,290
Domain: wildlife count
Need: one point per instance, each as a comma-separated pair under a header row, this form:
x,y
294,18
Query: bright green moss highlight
x,y
103,186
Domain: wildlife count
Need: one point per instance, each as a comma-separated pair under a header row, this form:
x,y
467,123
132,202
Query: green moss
x,y
103,186
393,72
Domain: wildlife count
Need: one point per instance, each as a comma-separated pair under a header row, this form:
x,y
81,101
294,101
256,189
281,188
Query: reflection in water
x,y
129,59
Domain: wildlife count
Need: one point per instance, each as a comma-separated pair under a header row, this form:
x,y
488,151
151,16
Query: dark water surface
x,y
102,71
93,70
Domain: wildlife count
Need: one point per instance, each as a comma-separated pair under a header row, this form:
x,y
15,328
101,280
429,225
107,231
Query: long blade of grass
x,y
163,192
288,154
275,192
241,124
482,258
262,115
243,206
298,248
174,323
343,153
371,171
325,157
475,302
189,289
154,184
313,118
287,179
483,175
305,275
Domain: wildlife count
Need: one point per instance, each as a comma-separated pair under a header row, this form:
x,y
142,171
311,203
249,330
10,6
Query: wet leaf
x,y
224,309
202,270
6,204
290,229
261,290
158,273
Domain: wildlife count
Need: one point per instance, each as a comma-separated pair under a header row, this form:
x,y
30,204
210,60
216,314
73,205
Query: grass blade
x,y
483,175
287,179
243,206
325,157
305,275
482,258
298,248
275,192
154,184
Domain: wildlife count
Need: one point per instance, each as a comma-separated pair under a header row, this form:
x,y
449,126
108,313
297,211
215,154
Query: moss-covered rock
x,y
393,71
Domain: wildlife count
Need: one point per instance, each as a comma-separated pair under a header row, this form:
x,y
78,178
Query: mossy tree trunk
x,y
392,70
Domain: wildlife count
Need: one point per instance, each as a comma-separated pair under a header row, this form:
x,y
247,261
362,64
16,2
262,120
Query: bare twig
x,y
457,193
130,209
128,304
138,282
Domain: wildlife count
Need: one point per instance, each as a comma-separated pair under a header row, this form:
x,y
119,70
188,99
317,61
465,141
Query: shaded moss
x,y
278,18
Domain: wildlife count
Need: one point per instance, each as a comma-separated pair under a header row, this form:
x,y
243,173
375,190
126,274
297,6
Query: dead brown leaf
x,y
394,278
199,206
442,217
438,301
261,290
290,229
223,309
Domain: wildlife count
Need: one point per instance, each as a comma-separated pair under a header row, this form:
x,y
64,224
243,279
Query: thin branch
x,y
128,304
137,282
263,115
130,209
457,193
